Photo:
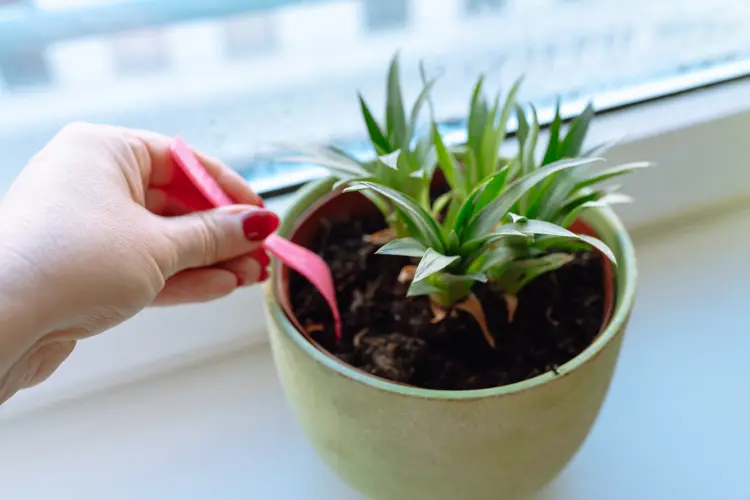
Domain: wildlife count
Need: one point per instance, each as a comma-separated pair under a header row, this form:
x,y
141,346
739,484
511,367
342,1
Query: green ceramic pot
x,y
393,442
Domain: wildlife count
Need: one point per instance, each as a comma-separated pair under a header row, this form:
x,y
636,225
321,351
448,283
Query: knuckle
x,y
208,241
77,128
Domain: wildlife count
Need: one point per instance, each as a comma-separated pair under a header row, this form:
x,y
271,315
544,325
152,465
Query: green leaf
x,y
480,277
533,227
523,126
418,288
343,182
451,214
512,276
606,200
549,229
491,258
600,149
571,145
611,173
395,117
599,245
510,102
528,163
378,139
488,146
425,81
588,197
380,202
453,242
490,215
448,164
478,115
406,247
544,243
471,177
554,137
433,262
465,212
390,160
492,188
504,231
421,99
427,228
327,157
440,203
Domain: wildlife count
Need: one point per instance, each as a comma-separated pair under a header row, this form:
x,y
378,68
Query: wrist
x,y
22,323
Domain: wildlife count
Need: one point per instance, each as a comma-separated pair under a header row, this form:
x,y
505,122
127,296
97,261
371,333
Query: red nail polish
x,y
263,275
261,257
259,224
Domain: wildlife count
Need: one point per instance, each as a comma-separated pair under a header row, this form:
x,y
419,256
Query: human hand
x,y
90,235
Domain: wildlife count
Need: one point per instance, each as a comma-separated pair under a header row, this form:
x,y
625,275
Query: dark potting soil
x,y
391,336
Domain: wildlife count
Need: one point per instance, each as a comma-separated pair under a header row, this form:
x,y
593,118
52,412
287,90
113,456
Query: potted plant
x,y
483,299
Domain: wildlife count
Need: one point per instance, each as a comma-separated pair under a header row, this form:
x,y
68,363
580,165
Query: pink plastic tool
x,y
200,191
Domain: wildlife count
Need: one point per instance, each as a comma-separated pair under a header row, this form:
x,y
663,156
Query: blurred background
x,y
234,76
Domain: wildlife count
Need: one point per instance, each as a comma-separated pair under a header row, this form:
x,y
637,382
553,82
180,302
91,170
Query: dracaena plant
x,y
403,160
456,253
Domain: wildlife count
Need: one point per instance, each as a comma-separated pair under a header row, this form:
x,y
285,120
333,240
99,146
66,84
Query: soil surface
x,y
391,336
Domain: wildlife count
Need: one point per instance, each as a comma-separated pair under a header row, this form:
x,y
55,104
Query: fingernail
x,y
261,257
259,224
263,275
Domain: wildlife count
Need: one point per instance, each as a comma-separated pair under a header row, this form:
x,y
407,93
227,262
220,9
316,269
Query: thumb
x,y
206,238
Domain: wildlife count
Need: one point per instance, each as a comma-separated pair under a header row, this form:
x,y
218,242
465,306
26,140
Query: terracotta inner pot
x,y
338,206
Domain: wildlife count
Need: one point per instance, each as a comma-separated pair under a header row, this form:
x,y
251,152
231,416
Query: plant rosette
x,y
391,439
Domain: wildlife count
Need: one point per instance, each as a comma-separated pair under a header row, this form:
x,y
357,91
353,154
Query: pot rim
x,y
603,220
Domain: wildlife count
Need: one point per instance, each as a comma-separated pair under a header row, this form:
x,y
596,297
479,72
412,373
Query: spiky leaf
x,y
514,275
418,288
433,262
448,164
377,137
422,98
611,173
483,221
339,164
571,145
395,116
405,247
425,225
522,131
553,145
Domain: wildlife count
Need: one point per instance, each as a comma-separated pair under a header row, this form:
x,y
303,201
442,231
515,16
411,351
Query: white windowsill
x,y
697,139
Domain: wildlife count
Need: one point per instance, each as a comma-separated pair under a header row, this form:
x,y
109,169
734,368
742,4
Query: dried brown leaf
x,y
438,313
511,303
407,274
379,238
473,307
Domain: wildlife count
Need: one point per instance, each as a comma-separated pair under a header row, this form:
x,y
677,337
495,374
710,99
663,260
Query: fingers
x,y
208,238
197,285
206,284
